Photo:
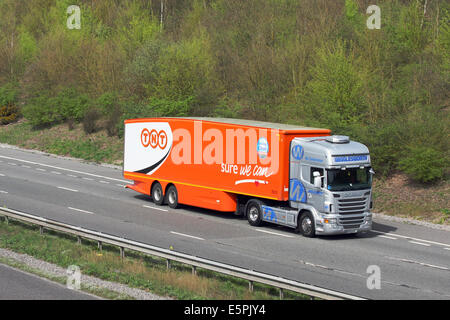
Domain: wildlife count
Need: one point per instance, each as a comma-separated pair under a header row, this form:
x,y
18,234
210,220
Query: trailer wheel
x,y
253,211
157,194
306,225
172,197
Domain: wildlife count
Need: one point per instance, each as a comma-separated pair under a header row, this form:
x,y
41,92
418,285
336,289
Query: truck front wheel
x,y
253,211
157,194
306,225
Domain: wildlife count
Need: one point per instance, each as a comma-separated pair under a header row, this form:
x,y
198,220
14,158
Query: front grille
x,y
351,226
351,210
351,222
352,205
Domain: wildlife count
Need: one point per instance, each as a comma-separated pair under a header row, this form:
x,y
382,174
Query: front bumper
x,y
337,228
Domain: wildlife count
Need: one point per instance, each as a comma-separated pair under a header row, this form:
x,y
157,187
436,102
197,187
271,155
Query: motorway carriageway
x,y
414,260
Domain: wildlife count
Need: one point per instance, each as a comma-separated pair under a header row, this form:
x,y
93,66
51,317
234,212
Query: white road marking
x,y
387,237
420,243
411,238
420,263
69,170
2,175
72,175
84,211
315,265
25,166
186,235
330,269
447,248
40,169
55,172
150,207
12,164
4,192
106,182
274,233
88,179
68,189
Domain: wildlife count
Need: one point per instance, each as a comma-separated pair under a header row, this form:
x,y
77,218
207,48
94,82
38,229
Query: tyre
x,y
253,211
306,225
157,194
172,197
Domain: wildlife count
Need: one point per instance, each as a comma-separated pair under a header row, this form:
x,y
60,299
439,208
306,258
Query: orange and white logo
x,y
154,144
154,139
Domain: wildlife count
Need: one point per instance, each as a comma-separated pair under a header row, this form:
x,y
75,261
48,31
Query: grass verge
x,y
398,196
97,147
135,270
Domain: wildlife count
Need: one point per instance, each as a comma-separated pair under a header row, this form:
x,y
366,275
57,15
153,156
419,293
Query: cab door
x,y
315,195
297,190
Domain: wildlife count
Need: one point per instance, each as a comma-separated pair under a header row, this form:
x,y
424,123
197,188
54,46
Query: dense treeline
x,y
311,62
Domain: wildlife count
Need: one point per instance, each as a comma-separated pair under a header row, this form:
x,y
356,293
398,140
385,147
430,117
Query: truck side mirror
x,y
317,179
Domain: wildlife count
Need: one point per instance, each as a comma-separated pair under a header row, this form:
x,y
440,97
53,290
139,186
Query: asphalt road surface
x,y
18,285
414,261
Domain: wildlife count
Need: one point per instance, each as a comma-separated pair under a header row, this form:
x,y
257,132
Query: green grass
x,y
19,136
136,270
82,149
97,147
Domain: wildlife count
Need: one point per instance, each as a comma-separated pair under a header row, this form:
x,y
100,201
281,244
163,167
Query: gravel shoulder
x,y
412,221
51,271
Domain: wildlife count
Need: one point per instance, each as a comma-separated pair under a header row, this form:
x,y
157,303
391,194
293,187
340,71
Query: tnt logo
x,y
154,138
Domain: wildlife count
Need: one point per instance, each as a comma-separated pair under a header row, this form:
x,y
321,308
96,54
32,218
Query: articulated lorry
x,y
300,177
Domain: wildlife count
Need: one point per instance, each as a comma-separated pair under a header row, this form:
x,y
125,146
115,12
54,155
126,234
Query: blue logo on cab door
x,y
297,191
298,152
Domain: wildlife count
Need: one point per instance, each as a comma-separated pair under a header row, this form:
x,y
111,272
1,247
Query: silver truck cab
x,y
330,185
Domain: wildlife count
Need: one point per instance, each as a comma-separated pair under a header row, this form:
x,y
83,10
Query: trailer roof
x,y
244,122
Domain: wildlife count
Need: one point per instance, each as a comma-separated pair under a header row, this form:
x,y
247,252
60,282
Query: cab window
x,y
311,176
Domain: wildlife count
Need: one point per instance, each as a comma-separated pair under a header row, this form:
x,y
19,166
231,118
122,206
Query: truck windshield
x,y
349,179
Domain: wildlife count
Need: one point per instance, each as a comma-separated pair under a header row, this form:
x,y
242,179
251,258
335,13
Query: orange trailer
x,y
211,163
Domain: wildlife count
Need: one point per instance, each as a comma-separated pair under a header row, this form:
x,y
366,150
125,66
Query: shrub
x,y
71,105
42,111
227,109
111,108
171,108
107,102
8,114
423,164
8,94
68,105
112,122
335,93
90,121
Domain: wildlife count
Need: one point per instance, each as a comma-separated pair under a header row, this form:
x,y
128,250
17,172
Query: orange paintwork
x,y
210,185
